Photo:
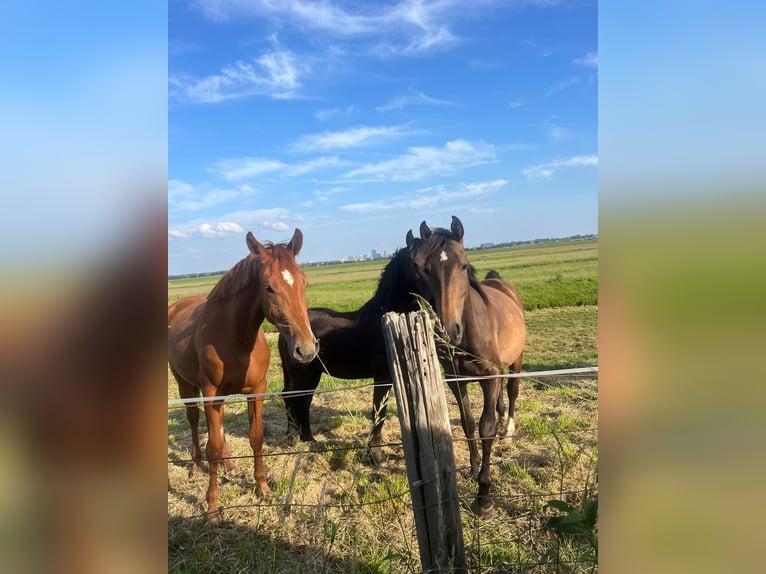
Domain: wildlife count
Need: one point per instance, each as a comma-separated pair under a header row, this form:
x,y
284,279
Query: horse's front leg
x,y
487,429
215,450
255,434
468,422
379,403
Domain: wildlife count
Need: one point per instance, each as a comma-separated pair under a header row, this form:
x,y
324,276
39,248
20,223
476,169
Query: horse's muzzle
x,y
455,332
305,354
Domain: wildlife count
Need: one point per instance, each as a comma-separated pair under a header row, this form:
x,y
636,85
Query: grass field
x,y
332,512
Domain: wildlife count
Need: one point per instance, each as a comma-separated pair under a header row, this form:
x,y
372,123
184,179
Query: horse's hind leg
x,y
513,393
189,391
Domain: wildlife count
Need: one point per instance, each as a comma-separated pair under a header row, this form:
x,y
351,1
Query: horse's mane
x,y
245,272
392,289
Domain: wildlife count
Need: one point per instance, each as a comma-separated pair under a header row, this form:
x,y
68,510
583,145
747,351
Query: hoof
x,y
214,518
309,438
292,437
263,489
506,427
375,456
500,429
194,470
482,509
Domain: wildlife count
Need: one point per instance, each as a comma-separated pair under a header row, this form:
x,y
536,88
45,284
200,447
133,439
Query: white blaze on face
x,y
443,256
288,277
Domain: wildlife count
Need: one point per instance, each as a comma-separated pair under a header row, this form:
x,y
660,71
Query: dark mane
x,y
392,292
242,274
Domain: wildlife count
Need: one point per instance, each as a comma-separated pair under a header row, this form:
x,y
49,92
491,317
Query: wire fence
x,y
480,543
302,393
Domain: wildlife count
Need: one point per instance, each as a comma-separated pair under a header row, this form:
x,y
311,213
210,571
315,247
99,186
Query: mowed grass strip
x,y
332,512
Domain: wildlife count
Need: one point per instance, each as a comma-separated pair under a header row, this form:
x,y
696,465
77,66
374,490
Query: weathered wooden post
x,y
427,440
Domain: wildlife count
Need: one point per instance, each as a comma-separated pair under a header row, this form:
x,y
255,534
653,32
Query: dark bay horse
x,y
216,346
351,347
483,324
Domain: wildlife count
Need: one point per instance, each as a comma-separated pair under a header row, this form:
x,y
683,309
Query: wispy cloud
x,y
428,198
415,97
419,162
546,170
246,167
410,27
362,136
517,103
331,113
590,60
237,169
584,79
275,74
183,196
556,131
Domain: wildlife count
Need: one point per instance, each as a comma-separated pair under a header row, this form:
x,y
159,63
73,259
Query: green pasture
x,y
347,516
546,275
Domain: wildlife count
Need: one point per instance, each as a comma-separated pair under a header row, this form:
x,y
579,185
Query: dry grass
x,y
332,512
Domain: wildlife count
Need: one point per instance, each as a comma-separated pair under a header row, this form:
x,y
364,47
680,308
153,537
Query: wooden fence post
x,y
427,440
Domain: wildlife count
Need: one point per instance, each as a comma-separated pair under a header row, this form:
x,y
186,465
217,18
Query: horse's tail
x,y
492,274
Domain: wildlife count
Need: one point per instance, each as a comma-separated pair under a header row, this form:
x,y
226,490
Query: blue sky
x,y
355,121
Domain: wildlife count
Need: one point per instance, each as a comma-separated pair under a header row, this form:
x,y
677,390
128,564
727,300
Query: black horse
x,y
351,346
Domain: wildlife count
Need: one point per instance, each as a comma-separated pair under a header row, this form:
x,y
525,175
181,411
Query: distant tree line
x,y
480,247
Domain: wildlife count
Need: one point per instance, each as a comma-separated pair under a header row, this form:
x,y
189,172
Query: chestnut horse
x,y
216,346
483,324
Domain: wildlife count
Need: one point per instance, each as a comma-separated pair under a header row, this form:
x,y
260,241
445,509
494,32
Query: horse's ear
x,y
296,242
253,244
425,231
457,228
410,240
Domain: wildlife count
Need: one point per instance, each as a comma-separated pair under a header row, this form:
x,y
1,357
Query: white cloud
x,y
275,225
428,198
556,131
219,229
247,167
275,74
355,137
590,60
234,223
178,234
410,27
413,98
422,161
517,103
329,113
546,170
183,196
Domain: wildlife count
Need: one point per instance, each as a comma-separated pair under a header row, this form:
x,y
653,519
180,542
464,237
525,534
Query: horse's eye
x,y
464,267
426,270
270,290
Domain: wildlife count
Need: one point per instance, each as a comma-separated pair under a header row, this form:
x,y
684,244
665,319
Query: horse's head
x,y
283,294
441,273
